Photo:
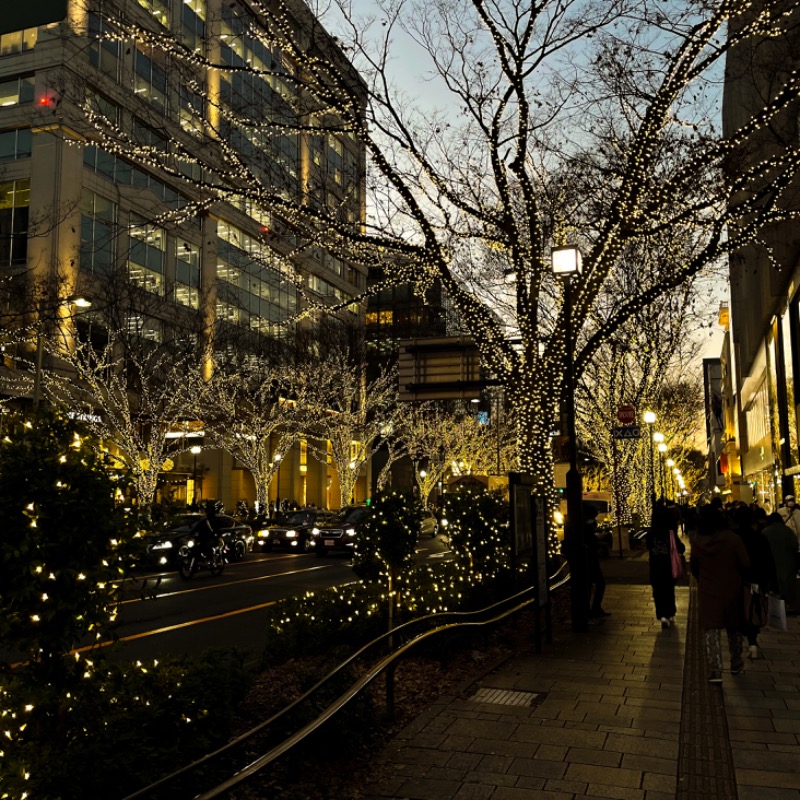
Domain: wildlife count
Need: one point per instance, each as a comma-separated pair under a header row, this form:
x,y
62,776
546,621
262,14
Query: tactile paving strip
x,y
705,760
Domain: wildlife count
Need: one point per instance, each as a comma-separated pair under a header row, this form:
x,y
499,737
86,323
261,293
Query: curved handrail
x,y
356,688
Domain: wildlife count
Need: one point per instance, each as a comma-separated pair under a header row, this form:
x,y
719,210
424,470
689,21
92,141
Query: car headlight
x,y
315,531
558,517
190,543
444,523
263,534
291,534
351,531
165,545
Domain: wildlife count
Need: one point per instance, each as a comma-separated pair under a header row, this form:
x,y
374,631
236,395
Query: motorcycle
x,y
191,559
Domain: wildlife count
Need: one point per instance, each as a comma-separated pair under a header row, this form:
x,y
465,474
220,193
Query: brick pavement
x,y
621,712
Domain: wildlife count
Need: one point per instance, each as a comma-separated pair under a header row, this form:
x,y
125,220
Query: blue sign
x,y
627,432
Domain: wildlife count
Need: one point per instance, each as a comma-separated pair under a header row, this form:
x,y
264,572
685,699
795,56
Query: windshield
x,y
351,514
300,518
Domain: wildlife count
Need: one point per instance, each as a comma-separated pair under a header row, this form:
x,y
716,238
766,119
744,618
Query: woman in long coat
x,y
662,529
719,562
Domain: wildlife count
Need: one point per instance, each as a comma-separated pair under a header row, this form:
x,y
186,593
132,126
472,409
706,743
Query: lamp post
x,y
658,440
277,459
662,449
568,263
650,420
195,450
79,301
670,465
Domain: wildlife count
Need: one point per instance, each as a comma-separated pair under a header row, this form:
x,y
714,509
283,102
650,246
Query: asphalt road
x,y
175,617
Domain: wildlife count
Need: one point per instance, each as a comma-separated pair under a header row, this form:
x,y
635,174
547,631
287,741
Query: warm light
x,y
277,457
671,463
510,275
658,437
80,301
195,449
649,417
567,260
423,474
662,448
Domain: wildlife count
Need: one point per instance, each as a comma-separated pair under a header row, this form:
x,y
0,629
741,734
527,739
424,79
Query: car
x,y
161,549
339,534
429,526
294,533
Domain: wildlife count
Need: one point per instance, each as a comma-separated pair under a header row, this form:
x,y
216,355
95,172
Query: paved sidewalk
x,y
623,711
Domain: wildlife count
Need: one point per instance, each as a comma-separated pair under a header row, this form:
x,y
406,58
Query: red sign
x,y
626,415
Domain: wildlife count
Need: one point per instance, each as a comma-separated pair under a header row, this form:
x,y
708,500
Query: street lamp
x,y
195,450
277,459
79,301
650,420
568,263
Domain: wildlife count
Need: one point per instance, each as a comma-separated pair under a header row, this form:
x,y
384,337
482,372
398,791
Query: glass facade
x,y
14,203
98,233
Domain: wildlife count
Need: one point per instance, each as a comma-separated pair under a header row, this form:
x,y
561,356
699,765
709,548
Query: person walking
x,y
760,575
595,571
790,514
659,546
719,561
783,544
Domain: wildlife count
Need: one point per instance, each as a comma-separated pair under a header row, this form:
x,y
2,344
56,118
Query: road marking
x,y
175,627
227,583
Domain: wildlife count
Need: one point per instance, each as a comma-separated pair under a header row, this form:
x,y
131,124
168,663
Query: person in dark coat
x,y
761,574
595,571
783,544
719,561
662,530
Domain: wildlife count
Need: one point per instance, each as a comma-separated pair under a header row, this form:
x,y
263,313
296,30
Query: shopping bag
x,y
755,608
777,612
678,570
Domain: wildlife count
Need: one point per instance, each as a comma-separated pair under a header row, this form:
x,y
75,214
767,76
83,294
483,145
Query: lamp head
x,y
566,260
649,417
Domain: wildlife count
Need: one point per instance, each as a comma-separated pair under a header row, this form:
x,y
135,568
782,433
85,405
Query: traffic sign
x,y
626,415
627,432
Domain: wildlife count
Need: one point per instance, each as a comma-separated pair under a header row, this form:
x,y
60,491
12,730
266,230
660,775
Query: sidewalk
x,y
623,711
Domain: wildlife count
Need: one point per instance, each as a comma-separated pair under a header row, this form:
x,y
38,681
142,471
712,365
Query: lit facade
x,y
113,173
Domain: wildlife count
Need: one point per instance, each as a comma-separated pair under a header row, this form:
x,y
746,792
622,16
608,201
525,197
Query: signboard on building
x,y
440,368
18,16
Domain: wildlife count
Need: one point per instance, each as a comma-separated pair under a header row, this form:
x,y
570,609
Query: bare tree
x,y
354,417
586,121
256,411
130,393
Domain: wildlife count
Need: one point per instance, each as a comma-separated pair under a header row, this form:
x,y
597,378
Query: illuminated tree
x,y
130,393
256,412
593,121
353,417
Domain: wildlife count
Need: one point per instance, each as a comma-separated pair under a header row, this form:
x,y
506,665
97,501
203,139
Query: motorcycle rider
x,y
206,532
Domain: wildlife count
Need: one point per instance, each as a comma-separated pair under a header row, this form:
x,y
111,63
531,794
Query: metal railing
x,y
460,621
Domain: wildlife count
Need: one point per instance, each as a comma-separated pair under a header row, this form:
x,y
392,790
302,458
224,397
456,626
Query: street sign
x,y
626,415
627,432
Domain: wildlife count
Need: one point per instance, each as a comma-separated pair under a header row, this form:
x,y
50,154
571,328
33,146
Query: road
x,y
187,617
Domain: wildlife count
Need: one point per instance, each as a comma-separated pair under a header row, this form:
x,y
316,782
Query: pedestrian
x,y
719,561
595,575
790,514
783,545
659,541
760,575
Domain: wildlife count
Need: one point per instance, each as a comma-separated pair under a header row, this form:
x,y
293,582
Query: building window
x,y
145,328
102,106
147,256
158,8
98,233
193,24
18,41
103,52
149,80
191,111
14,201
187,274
15,144
16,92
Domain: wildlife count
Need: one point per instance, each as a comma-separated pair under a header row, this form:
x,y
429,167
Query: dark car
x,y
339,534
161,549
294,533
